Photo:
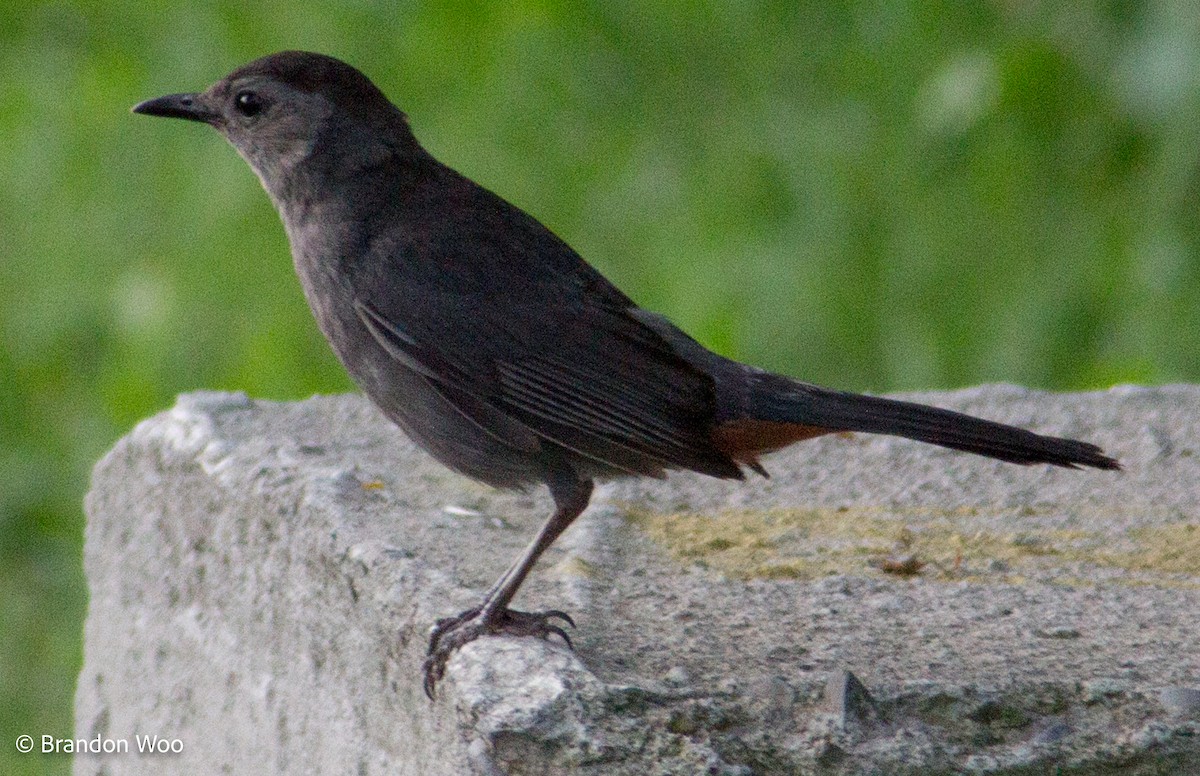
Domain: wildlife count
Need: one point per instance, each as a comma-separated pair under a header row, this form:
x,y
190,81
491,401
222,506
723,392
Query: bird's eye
x,y
248,103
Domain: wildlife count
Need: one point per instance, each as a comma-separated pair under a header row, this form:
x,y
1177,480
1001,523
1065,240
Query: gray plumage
x,y
493,344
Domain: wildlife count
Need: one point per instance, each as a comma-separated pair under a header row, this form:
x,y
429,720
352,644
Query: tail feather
x,y
779,399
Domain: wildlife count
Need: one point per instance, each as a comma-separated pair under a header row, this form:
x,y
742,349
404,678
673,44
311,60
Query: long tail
x,y
777,399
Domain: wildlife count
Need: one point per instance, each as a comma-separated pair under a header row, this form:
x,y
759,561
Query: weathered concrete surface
x,y
263,576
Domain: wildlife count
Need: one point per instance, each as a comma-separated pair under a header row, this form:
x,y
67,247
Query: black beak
x,y
177,106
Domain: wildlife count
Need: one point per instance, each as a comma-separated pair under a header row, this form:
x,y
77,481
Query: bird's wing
x,y
452,381
577,372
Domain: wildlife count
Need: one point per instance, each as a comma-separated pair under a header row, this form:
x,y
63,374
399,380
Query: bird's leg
x,y
492,615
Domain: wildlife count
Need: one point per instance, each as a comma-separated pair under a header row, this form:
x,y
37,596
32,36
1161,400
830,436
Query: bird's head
x,y
296,113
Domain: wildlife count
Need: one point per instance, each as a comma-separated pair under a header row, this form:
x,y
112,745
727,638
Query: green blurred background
x,y
877,196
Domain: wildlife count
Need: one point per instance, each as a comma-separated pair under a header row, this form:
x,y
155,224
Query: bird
x,y
495,347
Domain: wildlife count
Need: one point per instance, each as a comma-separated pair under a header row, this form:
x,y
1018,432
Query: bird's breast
x,y
321,253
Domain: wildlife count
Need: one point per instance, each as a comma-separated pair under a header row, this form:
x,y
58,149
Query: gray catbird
x,y
494,345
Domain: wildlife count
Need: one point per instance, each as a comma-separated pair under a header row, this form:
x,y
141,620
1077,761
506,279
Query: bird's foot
x,y
450,633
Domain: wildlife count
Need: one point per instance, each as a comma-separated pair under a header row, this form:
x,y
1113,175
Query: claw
x,y
562,634
560,614
430,680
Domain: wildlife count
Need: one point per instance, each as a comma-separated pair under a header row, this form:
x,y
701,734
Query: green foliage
x,y
873,196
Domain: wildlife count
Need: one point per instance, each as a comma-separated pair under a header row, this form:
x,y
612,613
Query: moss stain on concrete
x,y
812,543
